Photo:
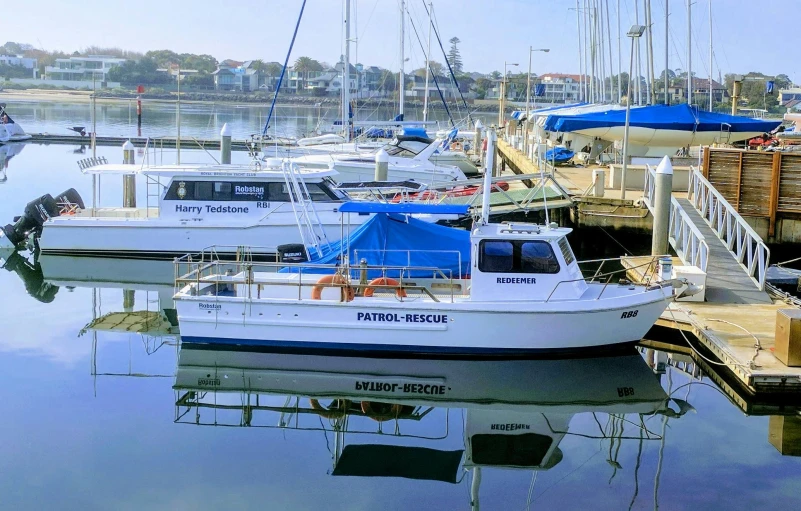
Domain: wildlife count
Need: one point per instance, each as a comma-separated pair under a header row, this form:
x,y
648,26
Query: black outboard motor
x,y
36,213
292,253
32,276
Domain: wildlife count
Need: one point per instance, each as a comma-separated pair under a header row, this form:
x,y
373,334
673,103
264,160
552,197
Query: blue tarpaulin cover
x,y
411,131
559,155
660,117
399,240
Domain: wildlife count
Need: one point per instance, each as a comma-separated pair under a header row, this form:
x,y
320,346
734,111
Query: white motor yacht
x,y
10,131
192,207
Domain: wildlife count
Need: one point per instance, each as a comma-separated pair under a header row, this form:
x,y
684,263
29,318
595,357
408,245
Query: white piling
x,y
662,194
489,161
225,145
477,140
381,165
128,180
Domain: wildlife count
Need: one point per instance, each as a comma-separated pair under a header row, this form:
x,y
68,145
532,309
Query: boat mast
x,y
428,61
651,72
178,120
667,53
581,62
609,46
346,76
402,77
638,83
619,61
589,82
689,52
710,55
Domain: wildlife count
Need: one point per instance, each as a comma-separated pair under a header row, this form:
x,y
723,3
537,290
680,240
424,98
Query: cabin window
x,y
517,256
526,450
203,190
538,257
497,257
278,192
222,191
567,253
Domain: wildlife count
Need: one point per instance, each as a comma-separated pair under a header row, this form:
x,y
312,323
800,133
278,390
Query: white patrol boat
x,y
525,294
193,207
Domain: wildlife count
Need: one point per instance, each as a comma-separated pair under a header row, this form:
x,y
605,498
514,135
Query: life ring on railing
x,y
333,280
337,410
384,281
381,412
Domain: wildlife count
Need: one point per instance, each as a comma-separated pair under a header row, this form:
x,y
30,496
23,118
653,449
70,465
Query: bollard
x,y
128,300
128,180
477,138
381,165
662,193
598,182
225,145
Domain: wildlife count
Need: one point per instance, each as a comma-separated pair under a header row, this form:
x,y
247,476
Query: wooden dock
x,y
736,324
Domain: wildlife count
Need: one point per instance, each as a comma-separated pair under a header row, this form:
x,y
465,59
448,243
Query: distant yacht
x,y
9,130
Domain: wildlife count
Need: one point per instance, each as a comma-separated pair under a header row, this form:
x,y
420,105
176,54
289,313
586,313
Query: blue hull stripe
x,y
305,346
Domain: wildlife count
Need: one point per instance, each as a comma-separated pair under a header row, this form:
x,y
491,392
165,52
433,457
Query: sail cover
x,y
660,117
402,241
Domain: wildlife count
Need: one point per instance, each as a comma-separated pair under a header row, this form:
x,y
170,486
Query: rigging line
x,y
283,72
450,69
441,96
531,488
628,252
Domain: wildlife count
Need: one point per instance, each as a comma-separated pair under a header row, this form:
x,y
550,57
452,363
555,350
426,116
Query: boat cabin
x,y
522,261
226,192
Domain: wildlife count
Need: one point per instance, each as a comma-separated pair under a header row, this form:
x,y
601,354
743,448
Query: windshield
x,y
405,149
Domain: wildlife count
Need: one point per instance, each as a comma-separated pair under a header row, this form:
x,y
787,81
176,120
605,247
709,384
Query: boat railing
x,y
409,253
739,237
222,276
645,270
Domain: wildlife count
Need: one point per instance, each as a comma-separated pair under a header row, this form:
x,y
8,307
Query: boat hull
x,y
162,239
462,328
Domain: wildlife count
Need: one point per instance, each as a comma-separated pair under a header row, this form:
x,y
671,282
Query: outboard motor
x,y
292,253
36,213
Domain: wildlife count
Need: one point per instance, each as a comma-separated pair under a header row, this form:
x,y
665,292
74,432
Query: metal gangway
x,y
707,232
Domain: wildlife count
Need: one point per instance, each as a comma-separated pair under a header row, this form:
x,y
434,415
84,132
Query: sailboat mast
x,y
689,52
582,78
402,77
428,60
638,83
710,55
651,72
609,46
667,52
346,76
619,61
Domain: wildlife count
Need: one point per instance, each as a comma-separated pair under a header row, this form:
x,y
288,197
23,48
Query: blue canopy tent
x,y
660,117
393,238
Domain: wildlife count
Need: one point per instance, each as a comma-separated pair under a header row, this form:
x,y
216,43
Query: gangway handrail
x,y
688,242
740,239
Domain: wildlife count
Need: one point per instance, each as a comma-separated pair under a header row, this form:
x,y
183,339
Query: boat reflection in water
x,y
515,412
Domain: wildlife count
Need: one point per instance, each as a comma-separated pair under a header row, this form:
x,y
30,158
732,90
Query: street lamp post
x,y
503,93
531,50
635,32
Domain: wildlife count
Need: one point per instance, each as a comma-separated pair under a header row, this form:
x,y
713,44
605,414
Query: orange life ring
x,y
336,280
381,412
384,281
337,410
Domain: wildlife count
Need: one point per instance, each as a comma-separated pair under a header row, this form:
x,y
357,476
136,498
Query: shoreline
x,y
210,98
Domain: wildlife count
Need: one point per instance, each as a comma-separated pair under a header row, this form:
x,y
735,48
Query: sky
x,y
491,31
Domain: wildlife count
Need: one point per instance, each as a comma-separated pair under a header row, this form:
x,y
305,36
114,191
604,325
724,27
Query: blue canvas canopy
x,y
402,241
660,117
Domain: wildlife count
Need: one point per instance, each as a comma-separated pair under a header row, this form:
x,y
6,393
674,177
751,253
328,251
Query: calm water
x,y
197,120
92,419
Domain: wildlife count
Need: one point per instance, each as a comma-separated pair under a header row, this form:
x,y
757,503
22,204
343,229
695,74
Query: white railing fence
x,y
740,238
688,242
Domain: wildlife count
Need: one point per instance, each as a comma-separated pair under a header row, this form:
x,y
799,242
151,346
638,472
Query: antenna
x,y
489,164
